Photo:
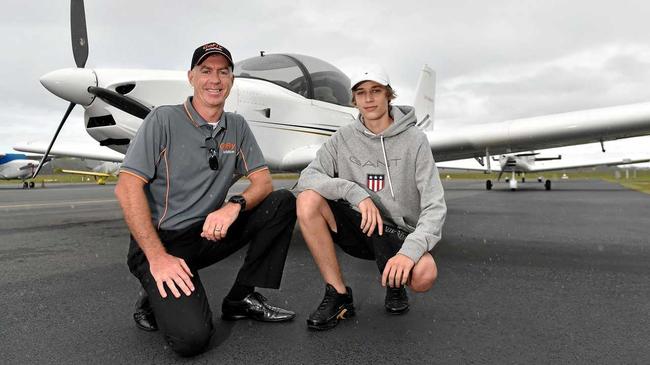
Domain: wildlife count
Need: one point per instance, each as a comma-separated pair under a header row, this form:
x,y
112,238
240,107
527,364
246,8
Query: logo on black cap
x,y
202,52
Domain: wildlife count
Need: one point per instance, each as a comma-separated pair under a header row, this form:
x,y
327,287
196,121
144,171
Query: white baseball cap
x,y
370,73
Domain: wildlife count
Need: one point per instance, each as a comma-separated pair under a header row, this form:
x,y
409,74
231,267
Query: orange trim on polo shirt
x,y
134,174
167,178
187,111
258,170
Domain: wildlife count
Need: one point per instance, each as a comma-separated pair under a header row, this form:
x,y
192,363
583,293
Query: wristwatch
x,y
238,199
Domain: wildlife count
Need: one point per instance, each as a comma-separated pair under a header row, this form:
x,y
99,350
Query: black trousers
x,y
186,322
351,239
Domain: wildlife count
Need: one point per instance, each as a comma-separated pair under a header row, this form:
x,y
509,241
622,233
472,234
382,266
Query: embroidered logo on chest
x,y
227,147
375,182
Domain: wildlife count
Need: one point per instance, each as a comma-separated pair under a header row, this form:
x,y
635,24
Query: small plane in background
x,y
18,166
99,170
293,103
519,164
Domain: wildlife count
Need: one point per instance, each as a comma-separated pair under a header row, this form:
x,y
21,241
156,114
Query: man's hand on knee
x,y
173,271
397,271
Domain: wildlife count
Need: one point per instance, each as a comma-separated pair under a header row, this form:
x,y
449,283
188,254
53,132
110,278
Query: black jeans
x,y
351,239
186,322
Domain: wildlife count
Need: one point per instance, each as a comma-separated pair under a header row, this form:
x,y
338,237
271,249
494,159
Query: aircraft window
x,y
329,83
304,75
278,69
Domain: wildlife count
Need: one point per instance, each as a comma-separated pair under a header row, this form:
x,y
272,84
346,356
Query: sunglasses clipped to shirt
x,y
213,153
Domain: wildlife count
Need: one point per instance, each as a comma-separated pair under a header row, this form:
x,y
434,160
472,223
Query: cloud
x,y
598,77
494,60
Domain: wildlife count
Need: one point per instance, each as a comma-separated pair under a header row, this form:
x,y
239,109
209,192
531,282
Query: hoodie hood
x,y
403,119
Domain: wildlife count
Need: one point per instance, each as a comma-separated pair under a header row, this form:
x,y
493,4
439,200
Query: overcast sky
x,y
494,60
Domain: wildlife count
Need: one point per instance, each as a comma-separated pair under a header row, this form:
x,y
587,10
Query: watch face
x,y
238,199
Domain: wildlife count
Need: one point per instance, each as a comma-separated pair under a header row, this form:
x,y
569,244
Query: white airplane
x,y
293,103
521,163
18,166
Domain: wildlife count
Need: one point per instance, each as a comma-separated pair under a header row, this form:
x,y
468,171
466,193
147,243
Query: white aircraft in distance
x,y
521,163
18,166
293,103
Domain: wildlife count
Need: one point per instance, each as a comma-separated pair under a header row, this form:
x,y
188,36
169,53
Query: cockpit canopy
x,y
304,75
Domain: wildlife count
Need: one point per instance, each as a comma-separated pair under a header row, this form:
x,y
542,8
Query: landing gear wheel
x,y
523,179
488,185
25,185
31,185
547,185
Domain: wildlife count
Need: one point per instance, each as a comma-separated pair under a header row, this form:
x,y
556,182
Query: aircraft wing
x,y
473,165
88,173
468,164
558,165
550,131
89,152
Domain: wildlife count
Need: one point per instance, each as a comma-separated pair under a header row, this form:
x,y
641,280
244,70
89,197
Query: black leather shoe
x,y
397,302
333,308
143,315
254,306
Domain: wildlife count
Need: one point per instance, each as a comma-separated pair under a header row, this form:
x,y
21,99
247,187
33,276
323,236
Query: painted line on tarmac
x,y
57,204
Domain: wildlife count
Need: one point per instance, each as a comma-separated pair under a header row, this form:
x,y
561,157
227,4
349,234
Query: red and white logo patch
x,y
375,182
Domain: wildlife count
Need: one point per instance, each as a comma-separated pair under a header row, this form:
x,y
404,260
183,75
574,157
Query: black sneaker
x,y
334,306
397,302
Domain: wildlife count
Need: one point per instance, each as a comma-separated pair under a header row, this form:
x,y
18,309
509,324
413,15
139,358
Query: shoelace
x,y
259,297
395,293
324,303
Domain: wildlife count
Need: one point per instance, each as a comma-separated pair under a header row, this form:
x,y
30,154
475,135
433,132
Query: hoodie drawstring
x,y
390,183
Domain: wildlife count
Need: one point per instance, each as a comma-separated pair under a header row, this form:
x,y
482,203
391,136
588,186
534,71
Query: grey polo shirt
x,y
169,153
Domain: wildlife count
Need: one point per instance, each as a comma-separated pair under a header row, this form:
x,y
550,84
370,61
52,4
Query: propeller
x,y
56,134
79,38
80,51
78,32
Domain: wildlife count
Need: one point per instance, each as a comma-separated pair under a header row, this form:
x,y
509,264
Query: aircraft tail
x,y
424,102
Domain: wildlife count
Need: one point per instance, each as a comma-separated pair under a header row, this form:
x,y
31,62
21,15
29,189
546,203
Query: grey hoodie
x,y
351,165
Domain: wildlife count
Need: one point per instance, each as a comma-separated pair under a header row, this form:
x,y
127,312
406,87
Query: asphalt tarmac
x,y
532,276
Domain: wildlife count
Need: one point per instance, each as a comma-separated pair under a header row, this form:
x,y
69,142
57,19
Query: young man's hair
x,y
390,95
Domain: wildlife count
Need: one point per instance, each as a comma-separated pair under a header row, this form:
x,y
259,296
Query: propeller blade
x,y
499,177
56,134
120,101
78,32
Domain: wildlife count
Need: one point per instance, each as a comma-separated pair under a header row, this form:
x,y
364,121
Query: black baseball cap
x,y
202,52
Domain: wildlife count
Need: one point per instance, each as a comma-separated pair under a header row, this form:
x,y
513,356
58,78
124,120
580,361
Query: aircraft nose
x,y
71,84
